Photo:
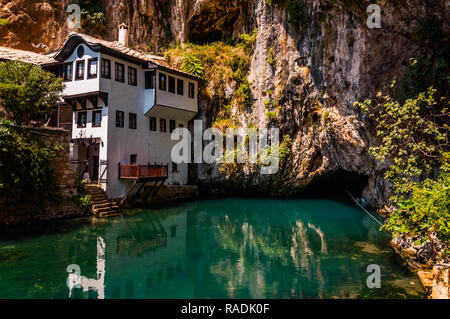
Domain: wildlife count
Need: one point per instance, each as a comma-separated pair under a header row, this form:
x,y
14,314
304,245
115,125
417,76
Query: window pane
x,y
171,125
82,119
106,68
162,82
92,68
68,72
79,70
171,84
119,72
180,87
120,118
132,121
96,118
132,76
152,123
162,125
191,90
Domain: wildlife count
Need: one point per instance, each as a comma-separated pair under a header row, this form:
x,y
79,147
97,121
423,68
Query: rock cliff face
x,y
311,61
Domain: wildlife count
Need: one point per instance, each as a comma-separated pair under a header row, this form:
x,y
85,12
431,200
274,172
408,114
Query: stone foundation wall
x,y
66,178
63,205
172,194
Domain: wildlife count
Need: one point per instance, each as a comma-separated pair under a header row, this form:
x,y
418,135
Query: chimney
x,y
123,34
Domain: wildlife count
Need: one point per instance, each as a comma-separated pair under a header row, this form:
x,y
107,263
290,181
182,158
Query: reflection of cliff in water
x,y
254,244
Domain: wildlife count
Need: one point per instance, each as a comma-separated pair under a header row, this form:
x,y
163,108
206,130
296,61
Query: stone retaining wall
x,y
172,194
63,206
66,178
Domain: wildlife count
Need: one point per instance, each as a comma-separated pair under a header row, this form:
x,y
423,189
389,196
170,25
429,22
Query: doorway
x,y
95,166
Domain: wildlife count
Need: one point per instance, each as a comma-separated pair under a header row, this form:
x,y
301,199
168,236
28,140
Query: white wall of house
x,y
119,143
167,98
75,87
149,146
84,86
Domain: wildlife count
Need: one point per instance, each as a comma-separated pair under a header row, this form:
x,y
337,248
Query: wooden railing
x,y
136,172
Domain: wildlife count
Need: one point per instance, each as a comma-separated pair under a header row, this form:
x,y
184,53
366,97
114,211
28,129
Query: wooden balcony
x,y
143,172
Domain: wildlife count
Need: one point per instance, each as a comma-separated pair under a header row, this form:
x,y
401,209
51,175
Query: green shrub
x,y
270,57
248,41
190,63
414,137
27,171
83,200
271,115
4,22
220,64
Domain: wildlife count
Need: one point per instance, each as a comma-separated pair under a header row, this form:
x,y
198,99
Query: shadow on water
x,y
228,248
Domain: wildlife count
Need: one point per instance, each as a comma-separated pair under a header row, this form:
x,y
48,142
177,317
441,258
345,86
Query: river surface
x,y
227,248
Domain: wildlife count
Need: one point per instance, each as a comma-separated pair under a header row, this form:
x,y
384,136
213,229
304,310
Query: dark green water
x,y
230,248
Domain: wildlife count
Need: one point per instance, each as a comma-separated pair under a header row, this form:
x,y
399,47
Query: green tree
x,y
26,165
28,94
414,140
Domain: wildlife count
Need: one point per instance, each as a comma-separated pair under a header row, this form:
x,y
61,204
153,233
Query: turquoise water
x,y
229,248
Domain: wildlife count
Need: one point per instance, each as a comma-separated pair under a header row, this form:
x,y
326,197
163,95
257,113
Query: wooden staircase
x,y
101,206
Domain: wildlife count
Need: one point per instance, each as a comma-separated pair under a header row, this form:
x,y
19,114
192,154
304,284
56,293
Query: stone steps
x,y
101,206
105,209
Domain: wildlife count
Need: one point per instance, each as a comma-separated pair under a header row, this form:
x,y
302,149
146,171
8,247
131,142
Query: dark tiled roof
x,y
115,46
7,53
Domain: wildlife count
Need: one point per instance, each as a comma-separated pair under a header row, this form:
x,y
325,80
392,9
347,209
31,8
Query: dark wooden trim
x,y
93,112
129,120
135,75
169,78
165,81
94,101
88,68
85,124
189,91
116,64
76,70
110,69
123,122
70,99
64,72
165,125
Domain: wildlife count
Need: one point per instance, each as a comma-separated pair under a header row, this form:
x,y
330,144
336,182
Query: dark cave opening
x,y
335,185
205,36
214,22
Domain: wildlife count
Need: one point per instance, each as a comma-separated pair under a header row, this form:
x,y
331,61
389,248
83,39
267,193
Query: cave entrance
x,y
198,36
213,22
334,185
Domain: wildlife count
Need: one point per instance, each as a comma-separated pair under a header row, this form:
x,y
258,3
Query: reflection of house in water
x,y
145,257
152,237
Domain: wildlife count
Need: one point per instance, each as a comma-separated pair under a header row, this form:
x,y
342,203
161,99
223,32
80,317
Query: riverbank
x,y
32,213
434,275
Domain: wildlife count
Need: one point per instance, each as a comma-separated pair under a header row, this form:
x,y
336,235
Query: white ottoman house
x,y
124,105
